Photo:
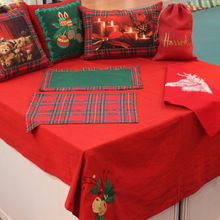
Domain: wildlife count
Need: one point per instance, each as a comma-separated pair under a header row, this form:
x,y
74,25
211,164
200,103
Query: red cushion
x,y
20,49
120,33
31,9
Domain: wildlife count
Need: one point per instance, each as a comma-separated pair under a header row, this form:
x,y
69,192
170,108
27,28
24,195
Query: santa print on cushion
x,y
175,34
20,50
191,90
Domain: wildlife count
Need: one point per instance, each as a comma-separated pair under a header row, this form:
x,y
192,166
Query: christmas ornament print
x,y
104,193
63,41
67,30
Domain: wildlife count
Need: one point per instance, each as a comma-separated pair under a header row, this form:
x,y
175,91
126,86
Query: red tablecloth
x,y
150,165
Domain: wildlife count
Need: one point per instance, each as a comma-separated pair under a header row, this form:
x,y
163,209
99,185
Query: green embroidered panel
x,y
90,78
62,27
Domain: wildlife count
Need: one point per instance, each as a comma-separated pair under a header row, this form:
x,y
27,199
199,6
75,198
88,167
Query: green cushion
x,y
206,35
62,28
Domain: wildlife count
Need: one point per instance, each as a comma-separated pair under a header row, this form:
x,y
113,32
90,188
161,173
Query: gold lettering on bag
x,y
169,42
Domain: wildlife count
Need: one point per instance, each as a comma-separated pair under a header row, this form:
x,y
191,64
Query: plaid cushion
x,y
113,78
120,33
6,7
81,108
20,50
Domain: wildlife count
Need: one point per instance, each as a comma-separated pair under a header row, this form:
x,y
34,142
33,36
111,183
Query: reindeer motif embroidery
x,y
190,83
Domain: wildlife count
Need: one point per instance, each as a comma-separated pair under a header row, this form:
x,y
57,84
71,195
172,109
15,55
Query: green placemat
x,y
113,78
206,35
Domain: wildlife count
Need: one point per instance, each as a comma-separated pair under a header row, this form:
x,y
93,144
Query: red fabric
x,y
186,88
22,57
151,165
175,34
120,33
31,9
69,108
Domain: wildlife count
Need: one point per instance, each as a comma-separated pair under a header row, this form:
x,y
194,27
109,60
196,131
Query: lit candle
x,y
141,41
130,34
99,27
130,30
112,27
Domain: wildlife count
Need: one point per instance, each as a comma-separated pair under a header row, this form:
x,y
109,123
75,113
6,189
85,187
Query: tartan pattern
x,y
30,65
135,72
81,108
87,14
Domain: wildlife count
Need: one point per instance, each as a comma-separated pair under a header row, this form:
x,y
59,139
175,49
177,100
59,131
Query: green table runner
x,y
114,78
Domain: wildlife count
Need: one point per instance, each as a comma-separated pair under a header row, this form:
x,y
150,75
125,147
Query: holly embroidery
x,y
104,192
67,30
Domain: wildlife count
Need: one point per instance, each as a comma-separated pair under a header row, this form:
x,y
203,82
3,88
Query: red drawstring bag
x,y
175,34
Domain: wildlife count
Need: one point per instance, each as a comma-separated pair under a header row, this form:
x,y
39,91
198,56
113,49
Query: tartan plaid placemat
x,y
113,78
81,108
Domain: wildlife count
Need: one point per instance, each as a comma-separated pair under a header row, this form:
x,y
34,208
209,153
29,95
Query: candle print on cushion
x,y
20,50
62,28
120,33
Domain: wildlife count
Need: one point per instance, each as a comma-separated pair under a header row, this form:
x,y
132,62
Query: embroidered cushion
x,y
62,28
120,33
20,49
6,7
31,10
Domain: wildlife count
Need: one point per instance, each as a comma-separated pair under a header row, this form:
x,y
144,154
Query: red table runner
x,y
186,88
66,108
146,167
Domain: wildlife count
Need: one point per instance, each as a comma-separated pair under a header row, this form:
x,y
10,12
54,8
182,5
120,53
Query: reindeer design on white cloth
x,y
190,83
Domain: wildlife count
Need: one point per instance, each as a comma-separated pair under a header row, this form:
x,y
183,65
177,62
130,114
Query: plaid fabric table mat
x,y
81,108
113,78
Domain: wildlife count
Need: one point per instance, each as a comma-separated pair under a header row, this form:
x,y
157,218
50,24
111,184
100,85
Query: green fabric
x,y
90,78
63,40
206,35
